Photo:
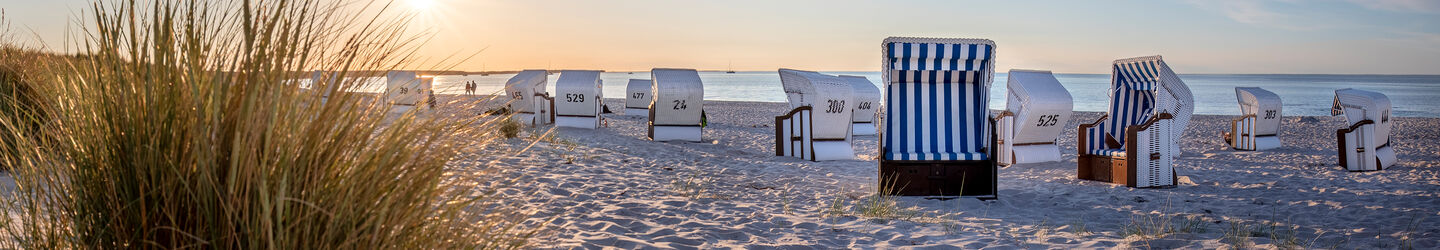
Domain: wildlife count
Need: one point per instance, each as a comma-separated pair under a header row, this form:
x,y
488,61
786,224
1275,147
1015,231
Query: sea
x,y
1303,95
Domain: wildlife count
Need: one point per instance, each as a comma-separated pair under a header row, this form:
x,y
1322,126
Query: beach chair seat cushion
x,y
949,156
1109,152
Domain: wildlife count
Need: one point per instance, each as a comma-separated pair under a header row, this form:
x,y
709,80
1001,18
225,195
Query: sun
x,y
422,5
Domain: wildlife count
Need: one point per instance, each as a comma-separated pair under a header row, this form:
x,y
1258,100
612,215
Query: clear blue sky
x,y
1221,36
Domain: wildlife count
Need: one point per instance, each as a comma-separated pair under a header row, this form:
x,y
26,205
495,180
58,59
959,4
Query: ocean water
x,y
1303,95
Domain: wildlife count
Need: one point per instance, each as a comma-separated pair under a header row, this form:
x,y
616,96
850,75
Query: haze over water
x,y
1304,95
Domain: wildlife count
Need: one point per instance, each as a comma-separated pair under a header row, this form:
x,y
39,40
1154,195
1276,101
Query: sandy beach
x,y
611,187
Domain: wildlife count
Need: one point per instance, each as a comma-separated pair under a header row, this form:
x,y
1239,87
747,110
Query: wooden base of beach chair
x,y
1117,170
1107,169
939,178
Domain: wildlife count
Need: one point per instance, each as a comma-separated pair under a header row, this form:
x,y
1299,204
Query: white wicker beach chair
x,y
1364,144
1258,127
1036,111
677,105
532,106
817,126
867,102
578,94
637,97
407,89
1136,143
936,138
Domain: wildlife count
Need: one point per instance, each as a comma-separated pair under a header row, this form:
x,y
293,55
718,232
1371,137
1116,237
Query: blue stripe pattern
x,y
919,56
936,105
1132,102
1138,75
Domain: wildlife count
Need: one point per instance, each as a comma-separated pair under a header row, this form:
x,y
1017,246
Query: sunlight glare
x,y
422,5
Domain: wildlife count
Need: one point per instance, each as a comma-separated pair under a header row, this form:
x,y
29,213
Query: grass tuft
x,y
183,124
1238,235
509,128
695,185
1078,227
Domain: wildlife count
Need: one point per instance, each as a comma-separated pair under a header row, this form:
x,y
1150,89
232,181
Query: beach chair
x,y
579,93
936,136
1365,143
1037,108
676,106
325,82
528,100
817,127
1136,142
867,102
406,90
1258,127
637,97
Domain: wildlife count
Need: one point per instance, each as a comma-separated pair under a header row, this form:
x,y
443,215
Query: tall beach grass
x,y
182,124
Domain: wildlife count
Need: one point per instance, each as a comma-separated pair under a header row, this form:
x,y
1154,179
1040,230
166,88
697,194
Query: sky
x,y
1195,37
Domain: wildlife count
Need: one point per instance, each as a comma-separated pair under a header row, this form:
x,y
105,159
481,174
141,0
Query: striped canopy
x,y
937,93
1137,75
934,54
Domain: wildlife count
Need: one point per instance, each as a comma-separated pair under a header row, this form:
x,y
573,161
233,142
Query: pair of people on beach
x,y
470,87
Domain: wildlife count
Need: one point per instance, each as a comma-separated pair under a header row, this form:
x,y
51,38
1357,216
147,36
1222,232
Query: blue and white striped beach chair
x,y
1137,141
817,127
1365,143
1258,127
936,136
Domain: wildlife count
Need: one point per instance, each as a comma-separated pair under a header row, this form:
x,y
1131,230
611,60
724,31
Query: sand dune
x,y
611,187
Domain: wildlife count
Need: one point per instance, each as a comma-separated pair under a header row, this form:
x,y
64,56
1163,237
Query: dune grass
x,y
181,124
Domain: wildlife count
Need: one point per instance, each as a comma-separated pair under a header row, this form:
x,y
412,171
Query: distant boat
x,y
631,73
730,69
